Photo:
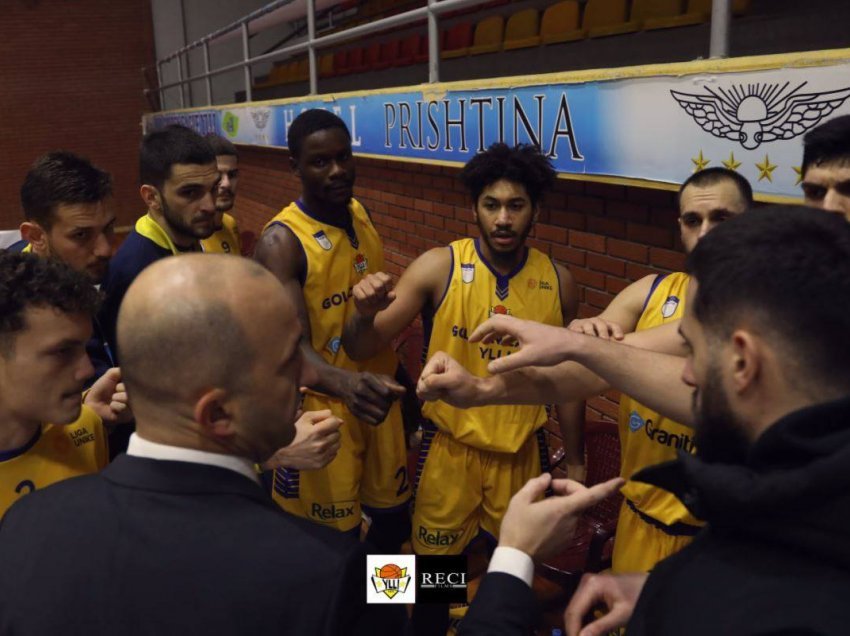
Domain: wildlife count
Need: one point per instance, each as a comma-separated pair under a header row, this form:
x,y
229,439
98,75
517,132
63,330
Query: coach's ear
x,y
150,195
35,235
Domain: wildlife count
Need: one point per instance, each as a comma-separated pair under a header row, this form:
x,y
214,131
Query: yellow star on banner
x,y
766,169
700,162
799,171
730,163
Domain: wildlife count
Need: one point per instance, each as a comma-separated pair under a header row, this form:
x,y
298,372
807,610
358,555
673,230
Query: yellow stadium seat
x,y
655,11
560,23
697,12
522,30
326,65
488,35
607,17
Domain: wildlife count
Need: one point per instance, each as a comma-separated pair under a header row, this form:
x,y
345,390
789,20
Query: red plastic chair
x,y
411,50
389,53
591,546
457,41
371,54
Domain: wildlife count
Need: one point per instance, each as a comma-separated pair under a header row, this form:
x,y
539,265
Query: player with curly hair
x,y
484,454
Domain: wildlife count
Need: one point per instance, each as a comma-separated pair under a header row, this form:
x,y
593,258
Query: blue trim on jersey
x,y
678,529
429,430
17,452
347,228
18,246
302,276
287,482
502,281
652,289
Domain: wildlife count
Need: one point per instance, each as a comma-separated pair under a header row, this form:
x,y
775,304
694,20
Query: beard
x,y
718,432
181,227
499,253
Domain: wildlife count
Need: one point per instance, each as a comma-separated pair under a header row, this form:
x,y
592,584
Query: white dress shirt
x,y
514,562
140,447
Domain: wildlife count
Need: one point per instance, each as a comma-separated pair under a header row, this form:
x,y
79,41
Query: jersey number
x,y
401,476
25,487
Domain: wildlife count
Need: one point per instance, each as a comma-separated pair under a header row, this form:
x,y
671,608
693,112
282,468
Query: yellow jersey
x,y
336,259
647,438
54,454
226,240
475,291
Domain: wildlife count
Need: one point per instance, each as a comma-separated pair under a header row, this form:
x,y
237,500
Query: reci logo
x,y
442,578
390,578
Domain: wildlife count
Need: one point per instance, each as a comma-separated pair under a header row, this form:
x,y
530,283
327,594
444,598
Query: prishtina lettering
x,y
429,124
202,123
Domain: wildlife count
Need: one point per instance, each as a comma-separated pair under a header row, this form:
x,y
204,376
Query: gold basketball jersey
x,y
475,291
337,258
647,438
56,453
226,240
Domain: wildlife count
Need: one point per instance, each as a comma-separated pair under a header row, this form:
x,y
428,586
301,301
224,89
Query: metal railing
x,y
719,44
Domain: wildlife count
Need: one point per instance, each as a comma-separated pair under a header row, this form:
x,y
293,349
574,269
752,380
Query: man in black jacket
x,y
766,323
178,536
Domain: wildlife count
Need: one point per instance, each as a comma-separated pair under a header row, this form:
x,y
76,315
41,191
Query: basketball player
x,y
226,238
319,247
46,436
826,166
653,523
485,454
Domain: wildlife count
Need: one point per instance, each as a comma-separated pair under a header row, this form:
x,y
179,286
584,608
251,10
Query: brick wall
x,y
607,235
72,79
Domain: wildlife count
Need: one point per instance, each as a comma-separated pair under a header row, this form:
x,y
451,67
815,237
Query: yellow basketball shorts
x,y
370,470
462,490
639,545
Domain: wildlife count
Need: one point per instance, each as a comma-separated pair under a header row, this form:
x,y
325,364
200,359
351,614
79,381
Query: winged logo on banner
x,y
260,117
758,113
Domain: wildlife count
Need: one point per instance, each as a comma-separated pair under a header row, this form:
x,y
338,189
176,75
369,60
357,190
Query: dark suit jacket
x,y
503,605
164,547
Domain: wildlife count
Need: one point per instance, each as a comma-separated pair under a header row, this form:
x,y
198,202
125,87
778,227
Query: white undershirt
x,y
140,447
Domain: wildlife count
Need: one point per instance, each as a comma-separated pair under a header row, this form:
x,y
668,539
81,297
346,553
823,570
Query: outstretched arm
x,y
382,311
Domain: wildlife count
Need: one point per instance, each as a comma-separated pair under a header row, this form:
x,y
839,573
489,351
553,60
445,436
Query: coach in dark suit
x,y
178,537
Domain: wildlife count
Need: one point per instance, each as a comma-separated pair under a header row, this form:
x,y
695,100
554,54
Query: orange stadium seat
x,y
457,40
522,30
326,65
607,17
488,35
560,23
697,12
355,60
302,70
643,10
341,63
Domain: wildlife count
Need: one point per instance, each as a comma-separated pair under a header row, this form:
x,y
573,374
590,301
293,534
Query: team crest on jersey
x,y
334,344
498,310
669,306
323,240
360,264
635,421
467,272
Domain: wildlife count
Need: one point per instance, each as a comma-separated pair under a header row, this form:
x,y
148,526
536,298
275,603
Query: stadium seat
x,y
388,54
355,60
522,30
326,65
457,40
413,50
302,70
588,551
643,10
488,35
607,17
560,23
697,12
369,58
341,64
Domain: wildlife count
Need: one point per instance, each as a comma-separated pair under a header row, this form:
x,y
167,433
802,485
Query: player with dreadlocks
x,y
472,461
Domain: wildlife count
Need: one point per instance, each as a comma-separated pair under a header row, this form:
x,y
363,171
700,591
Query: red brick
x,y
629,251
665,217
627,211
566,254
606,227
571,220
667,259
649,234
606,264
583,240
616,285
651,196
605,190
597,298
543,246
550,233
587,278
585,204
636,272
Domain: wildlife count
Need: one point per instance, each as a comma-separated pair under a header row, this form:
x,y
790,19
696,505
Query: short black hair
x,y
827,143
786,271
523,164
27,280
710,176
61,177
221,146
163,148
307,123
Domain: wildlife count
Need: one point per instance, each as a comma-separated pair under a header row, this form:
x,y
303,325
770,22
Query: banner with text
x,y
655,127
